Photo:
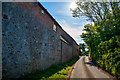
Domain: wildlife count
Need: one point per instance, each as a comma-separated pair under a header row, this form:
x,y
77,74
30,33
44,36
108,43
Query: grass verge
x,y
55,71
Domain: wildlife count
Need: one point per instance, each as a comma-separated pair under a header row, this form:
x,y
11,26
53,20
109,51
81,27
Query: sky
x,y
62,14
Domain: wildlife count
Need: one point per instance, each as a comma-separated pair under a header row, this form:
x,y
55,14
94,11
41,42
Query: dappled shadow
x,y
89,63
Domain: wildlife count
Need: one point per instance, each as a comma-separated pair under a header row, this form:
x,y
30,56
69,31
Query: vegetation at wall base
x,y
102,36
54,72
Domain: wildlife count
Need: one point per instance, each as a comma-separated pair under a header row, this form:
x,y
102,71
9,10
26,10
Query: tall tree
x,y
103,14
106,19
97,11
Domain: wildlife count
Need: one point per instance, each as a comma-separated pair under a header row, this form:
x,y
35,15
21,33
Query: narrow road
x,y
85,69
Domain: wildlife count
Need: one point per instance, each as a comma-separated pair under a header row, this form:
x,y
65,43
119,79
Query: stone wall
x,y
66,52
27,44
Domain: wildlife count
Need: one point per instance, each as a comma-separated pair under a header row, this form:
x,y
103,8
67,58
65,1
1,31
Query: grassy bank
x,y
55,71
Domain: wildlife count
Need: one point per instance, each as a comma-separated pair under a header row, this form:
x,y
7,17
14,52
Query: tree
x,y
97,11
102,38
103,14
82,47
91,38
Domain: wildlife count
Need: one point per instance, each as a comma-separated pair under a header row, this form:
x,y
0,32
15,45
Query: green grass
x,y
55,71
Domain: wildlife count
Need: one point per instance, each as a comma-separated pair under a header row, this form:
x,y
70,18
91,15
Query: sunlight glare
x,y
73,5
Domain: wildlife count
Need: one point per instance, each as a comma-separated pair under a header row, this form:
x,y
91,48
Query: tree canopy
x,y
82,47
102,37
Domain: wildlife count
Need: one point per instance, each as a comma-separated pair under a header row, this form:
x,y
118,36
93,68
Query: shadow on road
x,y
89,63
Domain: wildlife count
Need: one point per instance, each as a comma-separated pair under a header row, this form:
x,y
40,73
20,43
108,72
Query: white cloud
x,y
73,31
65,10
75,23
78,39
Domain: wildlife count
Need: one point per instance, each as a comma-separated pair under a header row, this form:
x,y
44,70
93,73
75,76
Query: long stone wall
x,y
66,52
27,44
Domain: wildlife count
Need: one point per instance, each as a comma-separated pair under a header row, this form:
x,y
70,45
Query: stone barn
x,y
32,39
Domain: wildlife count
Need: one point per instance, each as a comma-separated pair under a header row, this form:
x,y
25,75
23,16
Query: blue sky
x,y
62,14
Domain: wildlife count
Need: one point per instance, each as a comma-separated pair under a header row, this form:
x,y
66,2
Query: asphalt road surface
x,y
85,69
